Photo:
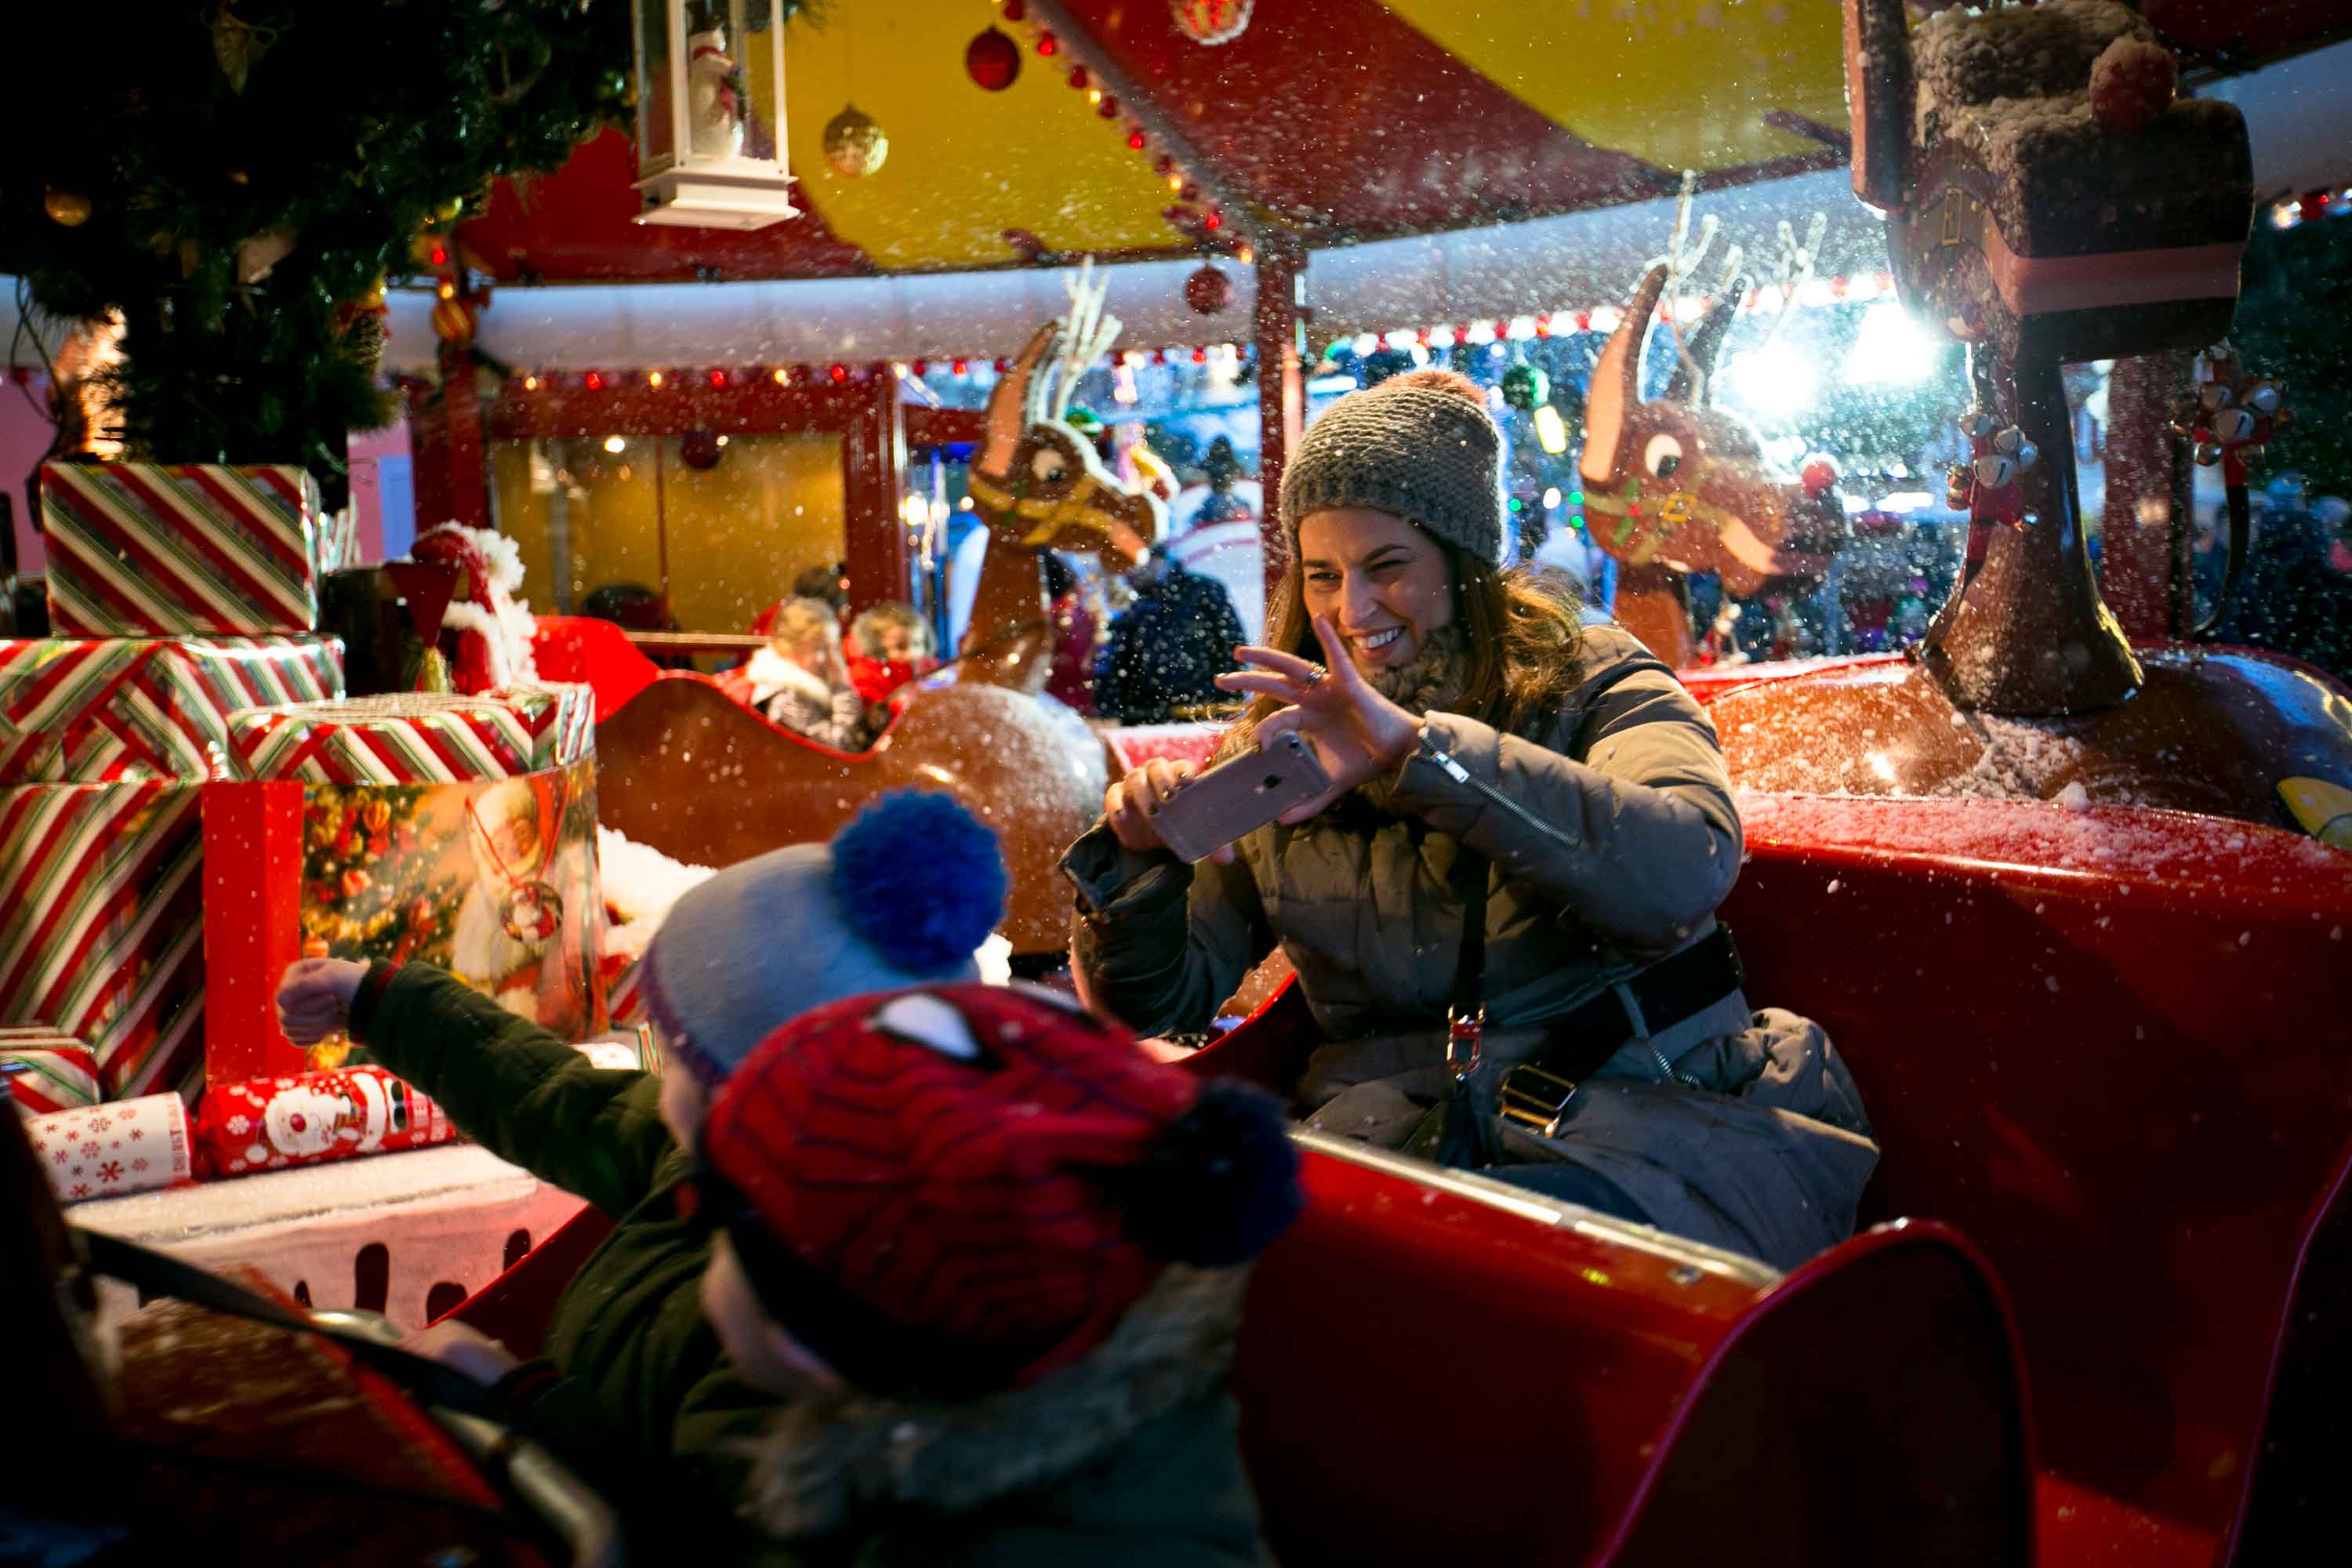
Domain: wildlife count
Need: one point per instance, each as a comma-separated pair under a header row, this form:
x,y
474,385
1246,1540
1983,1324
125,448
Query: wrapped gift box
x,y
101,924
47,1071
417,738
493,880
145,550
116,710
101,1151
269,1125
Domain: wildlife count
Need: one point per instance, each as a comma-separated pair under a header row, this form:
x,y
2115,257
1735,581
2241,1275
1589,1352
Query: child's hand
x,y
462,1350
314,1000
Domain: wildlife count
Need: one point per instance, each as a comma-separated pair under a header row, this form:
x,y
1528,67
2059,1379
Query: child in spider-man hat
x,y
995,1254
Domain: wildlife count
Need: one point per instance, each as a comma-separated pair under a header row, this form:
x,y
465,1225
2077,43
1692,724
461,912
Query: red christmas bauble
x,y
700,449
992,60
1819,475
1208,290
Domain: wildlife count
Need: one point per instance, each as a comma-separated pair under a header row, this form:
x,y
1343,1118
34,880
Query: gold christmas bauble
x,y
855,144
454,322
70,209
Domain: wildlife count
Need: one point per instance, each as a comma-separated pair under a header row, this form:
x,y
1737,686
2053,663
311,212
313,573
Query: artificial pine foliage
x,y
186,128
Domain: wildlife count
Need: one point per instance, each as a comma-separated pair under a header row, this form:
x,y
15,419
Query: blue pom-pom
x,y
1219,1182
920,880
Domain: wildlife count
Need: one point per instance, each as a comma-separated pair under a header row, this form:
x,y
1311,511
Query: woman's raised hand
x,y
1358,734
1128,804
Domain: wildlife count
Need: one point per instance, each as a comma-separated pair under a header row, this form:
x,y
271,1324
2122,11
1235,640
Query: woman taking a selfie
x,y
1502,912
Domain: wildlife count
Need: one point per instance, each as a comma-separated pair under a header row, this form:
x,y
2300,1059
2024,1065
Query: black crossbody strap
x,y
156,1273
1469,888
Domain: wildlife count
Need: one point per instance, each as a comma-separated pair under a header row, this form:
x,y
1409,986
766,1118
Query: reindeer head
x,y
1037,482
1676,482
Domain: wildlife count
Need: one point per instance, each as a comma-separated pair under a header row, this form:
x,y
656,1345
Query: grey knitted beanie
x,y
1425,450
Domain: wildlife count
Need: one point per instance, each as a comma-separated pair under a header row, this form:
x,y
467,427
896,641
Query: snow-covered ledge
x,y
442,1214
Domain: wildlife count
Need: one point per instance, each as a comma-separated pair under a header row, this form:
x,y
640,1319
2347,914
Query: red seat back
x,y
2113,1048
597,653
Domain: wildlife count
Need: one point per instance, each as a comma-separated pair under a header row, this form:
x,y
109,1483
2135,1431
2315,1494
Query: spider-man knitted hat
x,y
902,895
961,1188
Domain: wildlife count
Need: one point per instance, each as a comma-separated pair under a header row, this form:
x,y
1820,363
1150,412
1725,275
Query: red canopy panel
x,y
577,224
1348,123
2242,33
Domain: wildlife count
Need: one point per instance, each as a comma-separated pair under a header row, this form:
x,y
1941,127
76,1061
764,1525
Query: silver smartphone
x,y
1239,795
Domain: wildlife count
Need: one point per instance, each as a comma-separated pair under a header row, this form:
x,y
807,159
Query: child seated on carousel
x,y
890,646
632,1383
800,679
992,1257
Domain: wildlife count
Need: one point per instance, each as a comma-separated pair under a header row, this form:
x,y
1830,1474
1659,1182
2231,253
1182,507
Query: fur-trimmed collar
x,y
829,1456
770,672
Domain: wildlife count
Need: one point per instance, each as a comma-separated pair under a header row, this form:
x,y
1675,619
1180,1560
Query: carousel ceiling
x,y
1336,119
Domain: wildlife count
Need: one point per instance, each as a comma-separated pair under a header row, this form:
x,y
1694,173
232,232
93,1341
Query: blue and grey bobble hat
x,y
902,896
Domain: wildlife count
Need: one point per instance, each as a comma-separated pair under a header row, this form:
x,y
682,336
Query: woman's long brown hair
x,y
1524,624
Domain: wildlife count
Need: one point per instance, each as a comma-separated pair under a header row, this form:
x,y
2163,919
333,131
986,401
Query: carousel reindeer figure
x,y
978,729
1039,485
1673,486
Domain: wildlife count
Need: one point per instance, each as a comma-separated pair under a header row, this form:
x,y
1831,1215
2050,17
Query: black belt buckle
x,y
1535,1099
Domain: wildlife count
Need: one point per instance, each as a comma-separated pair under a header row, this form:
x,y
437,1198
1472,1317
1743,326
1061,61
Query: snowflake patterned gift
x,y
309,1118
416,737
127,1146
119,710
143,550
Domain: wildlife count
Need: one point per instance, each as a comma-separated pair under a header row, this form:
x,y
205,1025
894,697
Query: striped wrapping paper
x,y
101,1151
417,738
627,1003
122,709
46,1070
101,925
145,550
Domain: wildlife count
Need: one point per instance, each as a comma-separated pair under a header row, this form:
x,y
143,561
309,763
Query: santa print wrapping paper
x,y
145,550
120,709
47,1071
309,1118
101,925
493,880
417,738
129,1146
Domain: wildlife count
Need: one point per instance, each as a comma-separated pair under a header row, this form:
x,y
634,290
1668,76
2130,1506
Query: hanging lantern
x,y
992,61
1209,290
703,157
854,144
1210,21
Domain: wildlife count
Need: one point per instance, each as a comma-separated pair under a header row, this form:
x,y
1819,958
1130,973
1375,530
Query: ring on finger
x,y
1316,673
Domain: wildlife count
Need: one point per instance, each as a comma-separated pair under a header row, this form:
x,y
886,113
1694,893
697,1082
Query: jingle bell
x,y
1994,469
2009,440
2232,426
2208,453
2214,396
2262,397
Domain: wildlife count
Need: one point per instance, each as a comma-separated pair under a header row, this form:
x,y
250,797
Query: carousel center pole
x,y
2026,634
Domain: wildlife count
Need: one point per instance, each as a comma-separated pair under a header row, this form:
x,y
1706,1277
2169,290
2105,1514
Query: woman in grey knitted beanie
x,y
1515,876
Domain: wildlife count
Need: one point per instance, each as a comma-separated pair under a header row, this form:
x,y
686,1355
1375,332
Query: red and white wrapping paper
x,y
146,550
114,709
626,1002
46,1071
418,737
129,1146
309,1118
101,925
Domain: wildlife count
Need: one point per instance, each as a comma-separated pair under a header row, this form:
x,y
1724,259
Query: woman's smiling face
x,y
1381,582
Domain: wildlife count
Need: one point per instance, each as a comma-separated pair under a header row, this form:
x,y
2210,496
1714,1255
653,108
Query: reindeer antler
x,y
1082,334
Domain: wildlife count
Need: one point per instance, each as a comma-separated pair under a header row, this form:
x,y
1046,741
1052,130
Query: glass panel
x,y
656,132
754,33
591,517
714,82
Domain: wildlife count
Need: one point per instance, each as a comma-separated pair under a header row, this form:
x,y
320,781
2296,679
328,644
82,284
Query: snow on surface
x,y
2137,842
640,885
1963,58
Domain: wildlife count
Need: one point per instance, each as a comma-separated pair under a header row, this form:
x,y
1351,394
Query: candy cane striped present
x,y
119,708
416,737
46,1070
143,550
101,926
